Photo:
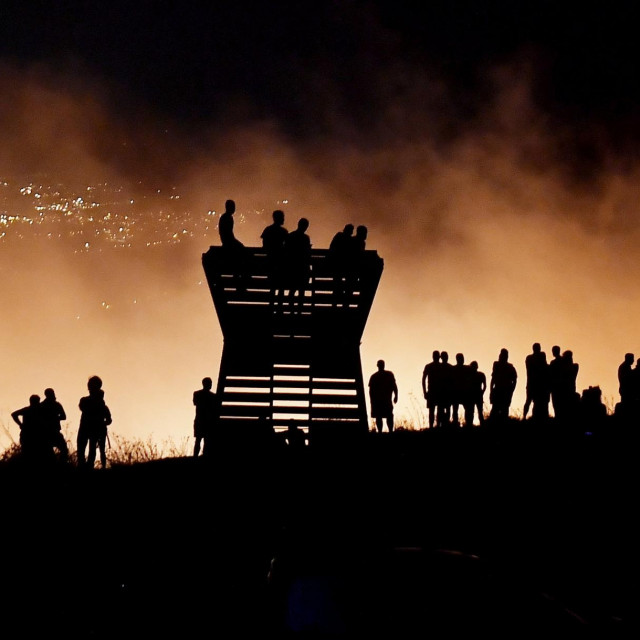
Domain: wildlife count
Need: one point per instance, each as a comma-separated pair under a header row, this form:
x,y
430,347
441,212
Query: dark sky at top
x,y
297,62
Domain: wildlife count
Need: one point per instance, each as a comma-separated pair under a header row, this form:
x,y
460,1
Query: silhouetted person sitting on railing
x,y
204,423
475,399
383,394
235,250
273,241
339,250
297,255
53,414
503,383
94,420
35,441
431,383
538,391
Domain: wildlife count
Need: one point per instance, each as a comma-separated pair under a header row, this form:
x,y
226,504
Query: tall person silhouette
x,y
95,418
503,383
297,252
273,240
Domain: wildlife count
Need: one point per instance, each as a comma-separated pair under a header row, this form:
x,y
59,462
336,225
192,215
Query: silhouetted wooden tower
x,y
289,360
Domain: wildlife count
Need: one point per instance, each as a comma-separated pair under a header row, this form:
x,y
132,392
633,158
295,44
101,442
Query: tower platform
x,y
287,358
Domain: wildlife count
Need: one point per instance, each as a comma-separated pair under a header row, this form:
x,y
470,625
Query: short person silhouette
x,y
206,404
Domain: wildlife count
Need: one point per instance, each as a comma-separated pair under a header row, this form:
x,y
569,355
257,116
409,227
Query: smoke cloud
x,y
492,232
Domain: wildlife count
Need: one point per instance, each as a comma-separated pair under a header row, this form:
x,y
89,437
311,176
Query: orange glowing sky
x,y
488,242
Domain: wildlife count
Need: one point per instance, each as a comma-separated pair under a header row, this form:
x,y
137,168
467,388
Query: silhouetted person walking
x,y
205,422
431,384
475,399
273,240
53,414
538,392
35,443
503,383
297,250
383,394
94,420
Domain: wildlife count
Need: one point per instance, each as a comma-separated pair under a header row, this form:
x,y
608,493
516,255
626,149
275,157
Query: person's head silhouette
x,y
504,355
555,350
348,229
361,232
278,217
536,347
49,393
303,224
459,358
628,358
229,206
380,364
207,383
94,384
444,356
474,365
34,400
436,356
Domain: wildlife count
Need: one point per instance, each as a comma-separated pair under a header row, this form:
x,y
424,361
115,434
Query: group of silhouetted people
x,y
41,434
289,255
454,393
450,389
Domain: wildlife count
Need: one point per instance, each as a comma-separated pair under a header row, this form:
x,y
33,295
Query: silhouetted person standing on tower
x,y
53,414
235,250
431,386
94,420
383,394
503,383
340,249
206,404
297,250
538,392
273,240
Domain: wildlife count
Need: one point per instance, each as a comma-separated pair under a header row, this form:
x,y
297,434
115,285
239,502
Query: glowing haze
x,y
489,241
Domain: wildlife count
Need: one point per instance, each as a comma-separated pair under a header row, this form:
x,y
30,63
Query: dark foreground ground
x,y
505,531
